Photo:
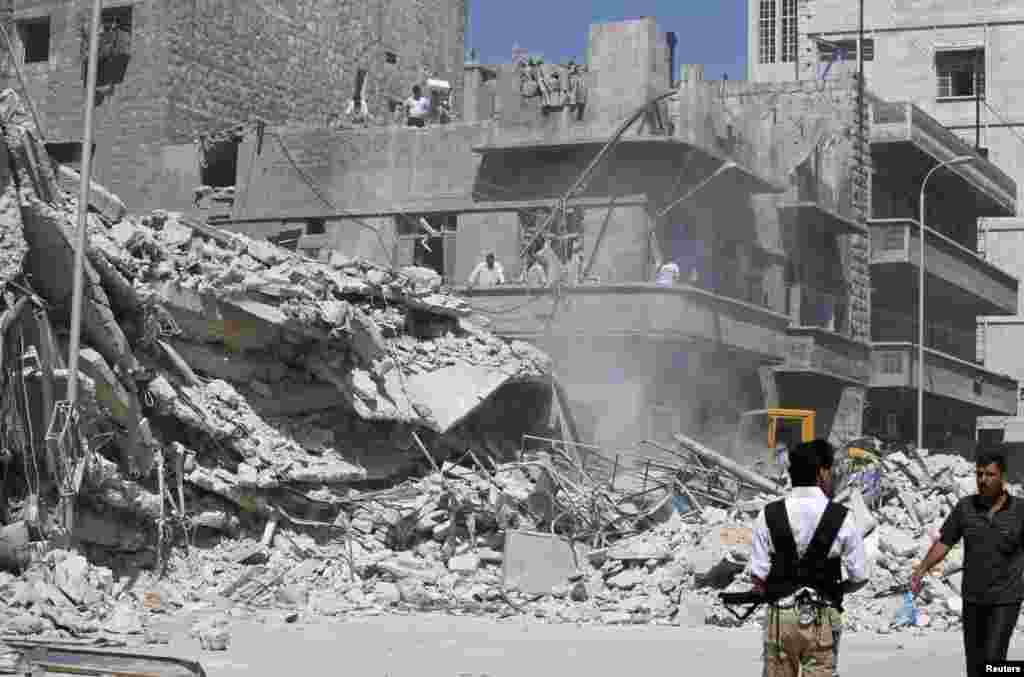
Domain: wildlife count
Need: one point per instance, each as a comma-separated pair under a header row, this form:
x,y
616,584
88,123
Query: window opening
x,y
960,73
789,30
766,32
220,162
35,39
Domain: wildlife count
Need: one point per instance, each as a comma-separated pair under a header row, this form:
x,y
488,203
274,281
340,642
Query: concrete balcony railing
x,y
894,365
895,123
895,242
680,312
893,327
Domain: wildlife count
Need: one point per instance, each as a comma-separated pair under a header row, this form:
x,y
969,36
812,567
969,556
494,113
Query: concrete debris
x,y
383,550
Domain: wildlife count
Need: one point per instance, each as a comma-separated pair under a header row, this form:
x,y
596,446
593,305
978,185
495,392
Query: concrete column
x,y
472,82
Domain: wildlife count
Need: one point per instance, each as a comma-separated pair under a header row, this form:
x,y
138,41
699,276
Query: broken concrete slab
x,y
216,362
108,486
452,393
110,392
290,399
50,256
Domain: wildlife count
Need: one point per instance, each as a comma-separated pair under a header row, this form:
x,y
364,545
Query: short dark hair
x,y
806,458
417,90
992,458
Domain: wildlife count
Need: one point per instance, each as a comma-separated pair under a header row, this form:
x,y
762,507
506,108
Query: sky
x,y
710,32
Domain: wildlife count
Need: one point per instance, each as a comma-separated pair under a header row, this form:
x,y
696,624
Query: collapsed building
x,y
250,378
789,207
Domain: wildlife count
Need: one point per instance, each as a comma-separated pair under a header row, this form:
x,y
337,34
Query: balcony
x,y
961,275
556,159
893,327
806,215
681,312
904,136
821,352
894,365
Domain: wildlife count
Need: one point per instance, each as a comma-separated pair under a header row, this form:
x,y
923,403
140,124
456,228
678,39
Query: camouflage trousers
x,y
793,650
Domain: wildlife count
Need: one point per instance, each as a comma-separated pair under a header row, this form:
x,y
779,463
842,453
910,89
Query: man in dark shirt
x,y
991,524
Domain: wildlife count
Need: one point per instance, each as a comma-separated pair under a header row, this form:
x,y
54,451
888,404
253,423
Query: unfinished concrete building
x,y
174,76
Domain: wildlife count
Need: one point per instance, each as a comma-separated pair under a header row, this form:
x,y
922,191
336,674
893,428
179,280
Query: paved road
x,y
447,646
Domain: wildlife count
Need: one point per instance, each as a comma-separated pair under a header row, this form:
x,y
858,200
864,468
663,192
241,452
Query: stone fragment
x,y
639,550
464,564
295,594
490,556
578,592
627,579
387,593
897,542
265,252
25,624
213,633
71,576
124,620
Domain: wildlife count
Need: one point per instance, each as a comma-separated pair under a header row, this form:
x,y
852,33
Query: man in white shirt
x,y
417,108
800,546
488,273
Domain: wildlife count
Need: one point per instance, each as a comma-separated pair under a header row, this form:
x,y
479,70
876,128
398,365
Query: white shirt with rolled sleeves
x,y
804,507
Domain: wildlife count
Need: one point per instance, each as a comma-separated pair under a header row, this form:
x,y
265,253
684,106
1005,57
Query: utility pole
x,y
860,72
80,240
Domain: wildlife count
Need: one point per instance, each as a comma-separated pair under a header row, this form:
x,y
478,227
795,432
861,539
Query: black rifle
x,y
753,598
897,589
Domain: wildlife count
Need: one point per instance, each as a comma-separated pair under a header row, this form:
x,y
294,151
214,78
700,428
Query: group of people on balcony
x,y
542,268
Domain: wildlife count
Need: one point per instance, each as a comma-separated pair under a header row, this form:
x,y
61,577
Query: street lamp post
x,y
959,160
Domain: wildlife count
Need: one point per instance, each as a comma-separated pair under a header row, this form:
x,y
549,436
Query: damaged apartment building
x,y
947,63
796,242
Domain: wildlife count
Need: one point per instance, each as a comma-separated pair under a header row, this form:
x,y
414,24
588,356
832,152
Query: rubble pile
x,y
448,542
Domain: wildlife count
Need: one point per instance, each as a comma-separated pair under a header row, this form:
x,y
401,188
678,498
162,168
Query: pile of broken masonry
x,y
235,389
441,543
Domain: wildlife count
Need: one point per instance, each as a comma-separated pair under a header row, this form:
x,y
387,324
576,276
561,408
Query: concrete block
x,y
537,562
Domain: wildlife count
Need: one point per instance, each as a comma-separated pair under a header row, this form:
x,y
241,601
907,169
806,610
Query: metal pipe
x,y
83,208
959,160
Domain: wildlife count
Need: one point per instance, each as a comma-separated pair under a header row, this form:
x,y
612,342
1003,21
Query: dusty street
x,y
428,646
